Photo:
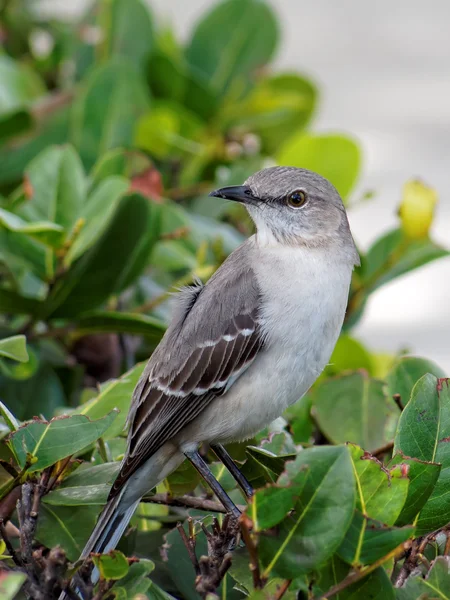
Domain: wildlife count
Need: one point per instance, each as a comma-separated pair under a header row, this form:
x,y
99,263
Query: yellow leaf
x,y
417,209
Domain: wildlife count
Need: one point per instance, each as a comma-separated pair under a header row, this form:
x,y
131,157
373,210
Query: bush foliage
x,y
112,133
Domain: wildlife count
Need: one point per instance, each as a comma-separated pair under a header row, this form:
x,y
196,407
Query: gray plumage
x,y
246,345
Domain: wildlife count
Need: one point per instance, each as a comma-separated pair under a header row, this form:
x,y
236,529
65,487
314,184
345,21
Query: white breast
x,y
304,299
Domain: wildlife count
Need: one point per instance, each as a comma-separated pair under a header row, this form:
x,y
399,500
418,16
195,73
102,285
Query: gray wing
x,y
214,336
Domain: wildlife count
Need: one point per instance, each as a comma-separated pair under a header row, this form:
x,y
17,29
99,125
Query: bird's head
x,y
293,207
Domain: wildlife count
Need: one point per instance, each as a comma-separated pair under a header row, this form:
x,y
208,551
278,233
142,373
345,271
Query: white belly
x,y
303,310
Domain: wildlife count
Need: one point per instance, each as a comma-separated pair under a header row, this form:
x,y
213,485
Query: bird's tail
x,y
111,524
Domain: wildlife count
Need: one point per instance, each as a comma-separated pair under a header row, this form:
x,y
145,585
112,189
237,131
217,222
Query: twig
x,y
189,542
9,546
258,582
383,449
188,502
282,589
357,575
50,104
398,401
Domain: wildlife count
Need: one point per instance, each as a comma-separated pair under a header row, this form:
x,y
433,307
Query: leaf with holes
x,y
435,585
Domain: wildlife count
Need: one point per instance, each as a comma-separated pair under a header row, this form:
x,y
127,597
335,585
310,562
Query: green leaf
x,y
45,232
20,85
114,395
169,129
436,584
136,580
422,479
68,527
270,505
368,540
95,494
102,270
130,30
381,492
424,432
113,565
381,495
348,355
375,586
354,408
406,373
57,182
275,107
394,255
263,466
301,425
323,513
233,40
15,348
105,111
9,418
42,393
15,304
335,157
10,584
51,441
183,480
97,214
118,322
14,123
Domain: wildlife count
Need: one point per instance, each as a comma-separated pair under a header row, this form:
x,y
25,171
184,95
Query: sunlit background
x,y
383,70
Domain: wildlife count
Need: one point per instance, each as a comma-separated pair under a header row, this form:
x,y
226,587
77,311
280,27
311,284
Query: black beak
x,y
238,193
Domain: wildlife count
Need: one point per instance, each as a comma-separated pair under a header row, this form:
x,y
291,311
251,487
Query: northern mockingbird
x,y
243,347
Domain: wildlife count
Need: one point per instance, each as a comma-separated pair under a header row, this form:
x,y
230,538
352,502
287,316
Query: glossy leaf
x,y
20,85
104,114
274,108
48,442
45,232
130,30
101,271
436,584
15,304
348,355
95,494
322,514
335,157
118,322
114,395
14,348
136,581
393,255
96,215
234,39
424,433
57,186
8,417
354,408
375,586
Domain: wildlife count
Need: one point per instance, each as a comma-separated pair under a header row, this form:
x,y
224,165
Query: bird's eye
x,y
296,199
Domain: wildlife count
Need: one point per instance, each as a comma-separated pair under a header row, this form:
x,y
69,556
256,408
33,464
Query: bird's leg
x,y
224,457
198,462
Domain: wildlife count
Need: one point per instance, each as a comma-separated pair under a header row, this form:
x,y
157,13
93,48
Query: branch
x,y
188,502
357,575
258,581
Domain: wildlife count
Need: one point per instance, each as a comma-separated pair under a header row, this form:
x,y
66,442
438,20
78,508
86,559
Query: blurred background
x,y
383,72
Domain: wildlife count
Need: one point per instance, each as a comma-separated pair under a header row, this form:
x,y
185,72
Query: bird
x,y
244,346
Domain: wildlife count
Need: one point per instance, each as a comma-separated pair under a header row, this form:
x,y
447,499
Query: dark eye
x,y
296,199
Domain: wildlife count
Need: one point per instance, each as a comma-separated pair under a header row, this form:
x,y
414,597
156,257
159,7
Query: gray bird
x,y
242,348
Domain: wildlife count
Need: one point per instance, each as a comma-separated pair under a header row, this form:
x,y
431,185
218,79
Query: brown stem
x,y
282,589
245,523
50,104
189,543
187,502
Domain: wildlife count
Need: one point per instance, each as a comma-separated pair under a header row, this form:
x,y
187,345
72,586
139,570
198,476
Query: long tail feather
x,y
111,524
